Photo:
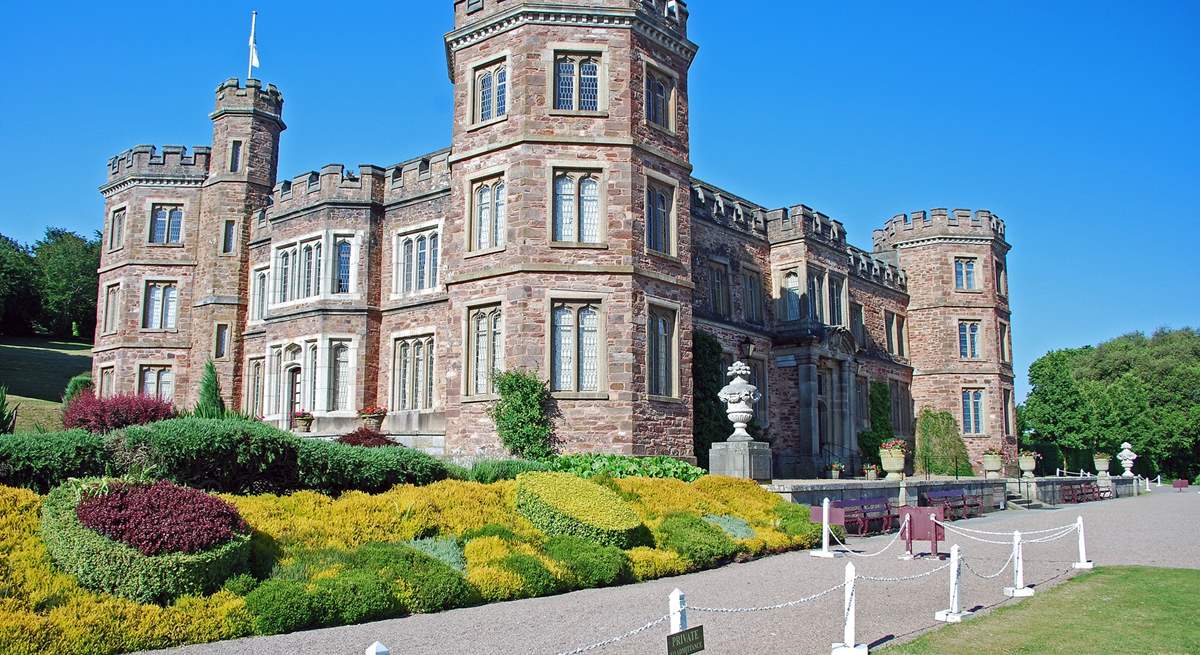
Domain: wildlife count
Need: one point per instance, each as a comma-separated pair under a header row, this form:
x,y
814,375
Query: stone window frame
x,y
117,211
786,272
149,204
488,306
255,406
105,388
315,380
157,366
651,67
818,306
1006,410
493,64
471,185
858,328
145,294
580,170
662,304
895,333
719,268
842,298
428,339
326,276
435,280
112,312
976,418
260,300
953,258
599,300
751,317
980,339
1004,341
577,52
229,227
653,178
1000,273
237,156
227,347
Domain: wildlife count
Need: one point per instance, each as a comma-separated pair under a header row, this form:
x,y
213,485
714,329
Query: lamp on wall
x,y
746,348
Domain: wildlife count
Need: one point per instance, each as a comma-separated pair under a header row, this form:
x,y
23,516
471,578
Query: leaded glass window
x,y
791,296
816,294
260,295
342,281
339,385
285,261
660,90
487,229
659,200
661,347
408,265
308,271
577,82
159,306
972,411
485,349
964,273
413,373
564,97
166,224
752,309
422,261
589,85
574,347
491,93
968,339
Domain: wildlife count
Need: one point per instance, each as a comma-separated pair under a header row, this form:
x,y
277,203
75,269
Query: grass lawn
x,y
1136,609
36,372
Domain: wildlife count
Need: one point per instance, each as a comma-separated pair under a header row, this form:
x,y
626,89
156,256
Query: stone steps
x,y
1015,501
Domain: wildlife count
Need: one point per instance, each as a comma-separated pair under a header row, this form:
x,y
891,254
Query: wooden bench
x,y
1180,485
957,503
861,512
1083,492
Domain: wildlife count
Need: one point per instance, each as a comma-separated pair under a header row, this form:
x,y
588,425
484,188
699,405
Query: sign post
x,y
683,640
825,516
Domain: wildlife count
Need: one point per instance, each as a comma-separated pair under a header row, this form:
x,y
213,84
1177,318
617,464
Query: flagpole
x,y
250,63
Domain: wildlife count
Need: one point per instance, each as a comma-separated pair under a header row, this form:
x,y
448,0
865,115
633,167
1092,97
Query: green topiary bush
x,y
209,404
281,606
423,583
354,596
536,579
732,526
101,564
563,504
700,542
586,465
793,520
41,461
520,415
241,584
76,386
332,468
590,564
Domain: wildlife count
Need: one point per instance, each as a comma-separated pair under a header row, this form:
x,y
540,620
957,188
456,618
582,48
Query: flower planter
x,y
1101,465
834,474
992,464
302,424
893,463
872,474
1027,464
372,421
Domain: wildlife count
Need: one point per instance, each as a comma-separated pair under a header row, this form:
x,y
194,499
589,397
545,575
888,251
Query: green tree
x,y
521,416
67,280
940,448
18,288
8,415
709,424
210,404
1056,409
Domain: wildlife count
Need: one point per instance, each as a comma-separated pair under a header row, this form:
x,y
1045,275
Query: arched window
x,y
414,373
791,296
433,260
575,345
284,275
317,269
308,271
260,296
563,347
491,92
483,217
589,210
658,217
403,380
576,83
500,202
487,229
174,229
485,96
661,347
429,372
422,261
659,92
564,97
340,382
312,377
166,384
342,281
576,208
564,208
485,347
589,85
418,374
256,388
501,91
408,265
158,224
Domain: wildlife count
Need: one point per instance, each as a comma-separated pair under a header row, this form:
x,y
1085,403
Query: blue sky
x,y
1076,122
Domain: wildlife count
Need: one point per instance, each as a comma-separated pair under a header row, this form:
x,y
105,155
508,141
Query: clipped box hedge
x,y
102,564
563,504
43,460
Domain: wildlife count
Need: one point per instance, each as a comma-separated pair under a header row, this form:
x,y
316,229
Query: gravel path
x,y
1161,529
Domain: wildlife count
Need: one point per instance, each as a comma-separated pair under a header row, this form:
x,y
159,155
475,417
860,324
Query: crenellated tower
x,y
959,320
568,235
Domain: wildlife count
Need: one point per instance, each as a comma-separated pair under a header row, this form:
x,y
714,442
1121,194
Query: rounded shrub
x,y
100,415
240,584
422,583
281,606
589,564
353,596
332,467
367,438
700,542
563,504
41,461
536,578
160,518
102,564
794,521
75,386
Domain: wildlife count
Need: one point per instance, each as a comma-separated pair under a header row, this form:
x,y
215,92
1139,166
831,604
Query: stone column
x,y
846,401
806,371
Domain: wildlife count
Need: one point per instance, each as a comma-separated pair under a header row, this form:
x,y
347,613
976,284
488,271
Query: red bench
x,y
1083,492
861,512
1180,485
957,503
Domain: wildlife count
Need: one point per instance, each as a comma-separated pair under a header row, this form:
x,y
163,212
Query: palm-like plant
x,y
8,416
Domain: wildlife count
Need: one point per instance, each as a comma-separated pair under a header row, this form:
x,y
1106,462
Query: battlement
x,y
233,97
868,266
170,162
917,225
332,183
671,13
802,221
419,175
723,208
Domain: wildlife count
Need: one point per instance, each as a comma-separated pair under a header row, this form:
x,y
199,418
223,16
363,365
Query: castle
x,y
562,232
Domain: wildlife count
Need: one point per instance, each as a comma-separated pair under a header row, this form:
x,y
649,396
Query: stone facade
x,y
405,286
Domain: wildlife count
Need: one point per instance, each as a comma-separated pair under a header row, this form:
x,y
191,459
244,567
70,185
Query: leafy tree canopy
x,y
67,279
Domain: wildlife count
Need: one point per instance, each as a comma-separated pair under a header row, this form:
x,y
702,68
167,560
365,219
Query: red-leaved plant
x,y
366,437
160,518
98,415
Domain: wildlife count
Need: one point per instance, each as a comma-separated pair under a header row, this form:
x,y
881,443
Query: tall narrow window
x,y
1001,278
659,202
972,411
106,382
483,218
342,281
901,337
260,295
1005,354
235,156
221,341
564,98
816,295
791,296
112,308
485,349
562,357
116,230
312,376
491,93
228,237
577,82
718,289
308,271
166,224
659,92
836,284
408,265
159,306
964,273
318,274
661,347
422,261
589,85
433,260
174,225
564,208
857,326
340,384
1007,412
889,329
968,339
285,262
576,208
752,310
256,388
574,347
403,374
489,213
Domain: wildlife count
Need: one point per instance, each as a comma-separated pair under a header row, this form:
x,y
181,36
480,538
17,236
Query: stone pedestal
x,y
741,459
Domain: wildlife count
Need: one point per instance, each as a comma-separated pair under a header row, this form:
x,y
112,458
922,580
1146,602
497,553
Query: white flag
x,y
253,45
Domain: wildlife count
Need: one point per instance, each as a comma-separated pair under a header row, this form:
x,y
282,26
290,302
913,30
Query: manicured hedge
x,y
101,564
331,467
563,504
160,518
700,542
100,415
590,564
40,461
586,465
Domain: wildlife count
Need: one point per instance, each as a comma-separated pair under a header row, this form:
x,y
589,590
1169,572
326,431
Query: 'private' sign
x,y
686,642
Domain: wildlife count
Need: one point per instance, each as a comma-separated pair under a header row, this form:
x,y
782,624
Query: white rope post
x,y
678,607
847,645
824,552
1159,483
378,649
1084,562
1018,590
1147,484
953,614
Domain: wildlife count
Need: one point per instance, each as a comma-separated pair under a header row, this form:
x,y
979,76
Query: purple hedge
x,y
161,517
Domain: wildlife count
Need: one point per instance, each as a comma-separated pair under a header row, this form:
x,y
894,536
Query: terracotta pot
x,y
893,463
373,421
992,464
302,424
1027,464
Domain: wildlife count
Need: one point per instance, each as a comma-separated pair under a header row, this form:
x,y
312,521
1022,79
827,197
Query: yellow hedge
x,y
650,563
563,504
742,498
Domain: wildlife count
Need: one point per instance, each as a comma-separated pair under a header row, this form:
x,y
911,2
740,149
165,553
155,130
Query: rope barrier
x,y
878,552
1049,538
997,574
966,529
608,642
764,608
906,577
968,535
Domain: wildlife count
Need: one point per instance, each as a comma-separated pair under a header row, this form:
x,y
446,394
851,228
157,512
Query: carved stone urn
x,y
1127,456
1101,462
740,456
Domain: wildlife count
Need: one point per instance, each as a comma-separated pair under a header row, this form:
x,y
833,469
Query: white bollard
x,y
378,649
678,607
954,614
1018,590
1084,562
847,645
1147,484
1159,483
825,552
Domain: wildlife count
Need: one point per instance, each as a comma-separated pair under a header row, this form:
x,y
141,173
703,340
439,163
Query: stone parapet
x,y
921,225
171,162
